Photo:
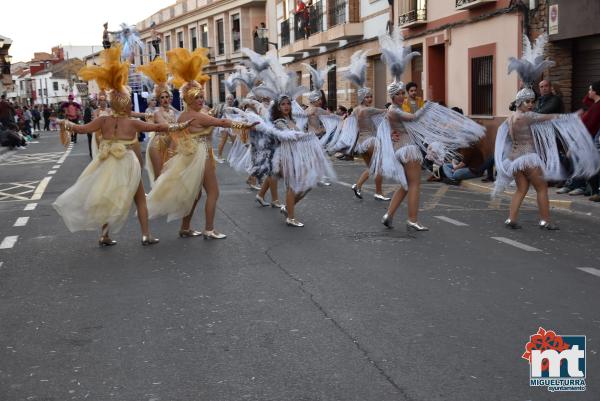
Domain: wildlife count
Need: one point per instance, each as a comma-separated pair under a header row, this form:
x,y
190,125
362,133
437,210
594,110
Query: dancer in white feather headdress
x,y
526,148
403,137
357,133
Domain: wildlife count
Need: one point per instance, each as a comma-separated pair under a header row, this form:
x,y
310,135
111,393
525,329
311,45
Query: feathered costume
x,y
402,137
104,191
129,37
528,140
357,132
157,72
300,159
179,184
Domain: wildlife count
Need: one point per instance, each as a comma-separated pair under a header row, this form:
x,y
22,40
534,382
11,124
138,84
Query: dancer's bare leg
x,y
274,191
265,187
211,185
187,220
413,177
142,209
290,203
222,142
541,187
155,156
517,198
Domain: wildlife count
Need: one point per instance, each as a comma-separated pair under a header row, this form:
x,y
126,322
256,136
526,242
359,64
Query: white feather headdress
x,y
318,78
357,73
396,56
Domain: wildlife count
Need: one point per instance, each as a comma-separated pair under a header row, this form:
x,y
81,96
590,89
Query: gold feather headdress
x,y
157,72
111,74
187,69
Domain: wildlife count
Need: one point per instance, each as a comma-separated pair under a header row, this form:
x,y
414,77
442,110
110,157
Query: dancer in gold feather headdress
x,y
105,190
158,145
177,190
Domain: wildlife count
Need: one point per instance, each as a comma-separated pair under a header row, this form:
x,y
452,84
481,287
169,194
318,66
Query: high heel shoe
x,y
546,225
276,204
213,234
106,241
381,197
189,233
149,240
283,210
415,226
261,201
386,220
293,223
513,224
357,191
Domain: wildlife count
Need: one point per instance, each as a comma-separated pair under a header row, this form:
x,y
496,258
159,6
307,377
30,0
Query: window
x,y
168,42
180,39
313,64
194,38
150,49
54,86
204,33
298,78
220,37
45,91
482,86
331,87
235,32
39,92
221,78
21,85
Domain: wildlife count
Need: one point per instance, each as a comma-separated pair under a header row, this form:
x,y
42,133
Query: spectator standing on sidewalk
x,y
412,103
27,118
72,111
88,113
7,112
591,120
36,116
46,114
548,102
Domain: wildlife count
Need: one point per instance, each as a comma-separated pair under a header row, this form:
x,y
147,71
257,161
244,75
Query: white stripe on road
x,y
9,242
57,166
21,221
1,263
39,191
51,172
517,244
30,206
591,270
451,221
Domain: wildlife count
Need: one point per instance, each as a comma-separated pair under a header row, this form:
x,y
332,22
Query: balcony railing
x,y
417,13
301,28
466,4
337,12
316,18
285,32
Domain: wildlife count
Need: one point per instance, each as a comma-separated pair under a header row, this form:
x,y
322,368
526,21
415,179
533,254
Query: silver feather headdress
x,y
396,56
318,78
530,66
230,83
277,82
357,73
256,62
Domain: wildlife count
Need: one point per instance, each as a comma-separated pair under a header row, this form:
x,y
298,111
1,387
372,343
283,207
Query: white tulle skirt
x,y
180,181
104,191
156,143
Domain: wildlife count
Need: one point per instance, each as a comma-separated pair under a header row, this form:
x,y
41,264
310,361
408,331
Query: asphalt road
x,y
342,309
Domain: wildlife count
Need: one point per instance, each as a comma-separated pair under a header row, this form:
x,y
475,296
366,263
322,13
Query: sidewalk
x,y
578,204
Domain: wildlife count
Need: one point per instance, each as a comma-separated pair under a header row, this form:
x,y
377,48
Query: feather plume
x,y
357,70
318,76
186,66
532,64
111,73
395,54
230,82
256,61
155,70
246,76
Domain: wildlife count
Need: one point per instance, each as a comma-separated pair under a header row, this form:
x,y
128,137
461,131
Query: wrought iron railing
x,y
316,18
337,12
417,13
285,32
301,28
460,3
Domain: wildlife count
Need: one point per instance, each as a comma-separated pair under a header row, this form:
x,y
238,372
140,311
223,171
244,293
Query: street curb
x,y
578,207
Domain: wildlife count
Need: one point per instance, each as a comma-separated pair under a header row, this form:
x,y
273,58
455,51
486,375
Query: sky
x,y
37,26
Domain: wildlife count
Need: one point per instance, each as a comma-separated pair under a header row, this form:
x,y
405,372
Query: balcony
x,y
467,4
318,35
261,45
416,14
343,20
285,32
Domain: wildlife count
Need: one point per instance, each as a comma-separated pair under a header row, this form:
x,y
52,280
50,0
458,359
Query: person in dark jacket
x,y
548,103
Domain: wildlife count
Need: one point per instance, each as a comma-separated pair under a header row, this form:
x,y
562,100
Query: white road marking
x,y
39,191
1,263
436,198
9,242
57,166
451,221
591,270
21,221
51,172
517,244
30,206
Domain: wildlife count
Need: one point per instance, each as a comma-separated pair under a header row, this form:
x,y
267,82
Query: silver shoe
x,y
283,210
213,234
261,201
512,224
415,226
293,223
381,197
255,187
276,204
386,220
546,225
357,191
323,183
219,160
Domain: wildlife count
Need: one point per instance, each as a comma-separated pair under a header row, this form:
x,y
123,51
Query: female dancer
x,y
402,135
177,190
105,190
158,145
359,130
526,148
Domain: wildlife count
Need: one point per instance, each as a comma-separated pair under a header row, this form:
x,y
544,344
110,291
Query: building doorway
x,y
436,73
379,82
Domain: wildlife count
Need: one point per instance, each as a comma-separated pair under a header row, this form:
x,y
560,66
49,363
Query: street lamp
x,y
263,34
